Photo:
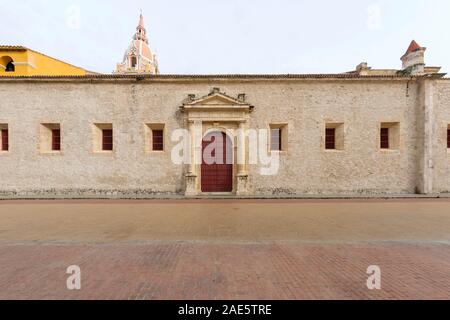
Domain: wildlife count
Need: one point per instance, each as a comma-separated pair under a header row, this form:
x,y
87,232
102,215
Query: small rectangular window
x,y
334,136
158,140
50,138
103,137
5,139
279,137
330,139
107,140
390,136
276,141
154,137
384,138
56,139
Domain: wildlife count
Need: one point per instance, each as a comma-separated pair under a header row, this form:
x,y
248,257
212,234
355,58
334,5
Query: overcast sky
x,y
233,36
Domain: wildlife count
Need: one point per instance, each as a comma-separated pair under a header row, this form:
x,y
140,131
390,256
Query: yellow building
x,y
21,61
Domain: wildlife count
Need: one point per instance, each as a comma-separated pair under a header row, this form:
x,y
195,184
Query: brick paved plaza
x,y
225,249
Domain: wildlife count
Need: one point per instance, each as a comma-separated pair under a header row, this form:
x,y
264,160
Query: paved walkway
x,y
225,271
225,249
251,220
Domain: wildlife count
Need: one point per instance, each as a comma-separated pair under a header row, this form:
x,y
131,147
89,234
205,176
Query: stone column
x,y
241,149
242,175
191,126
191,176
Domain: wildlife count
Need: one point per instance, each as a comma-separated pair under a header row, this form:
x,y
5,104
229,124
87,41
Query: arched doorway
x,y
217,164
8,64
10,67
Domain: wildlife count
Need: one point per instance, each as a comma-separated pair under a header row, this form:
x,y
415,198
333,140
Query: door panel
x,y
217,174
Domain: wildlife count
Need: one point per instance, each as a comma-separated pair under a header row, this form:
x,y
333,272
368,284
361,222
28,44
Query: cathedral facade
x,y
140,134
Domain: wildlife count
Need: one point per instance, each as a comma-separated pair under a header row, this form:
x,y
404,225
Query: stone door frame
x,y
217,112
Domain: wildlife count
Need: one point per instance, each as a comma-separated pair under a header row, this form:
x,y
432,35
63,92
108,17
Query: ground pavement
x,y
225,249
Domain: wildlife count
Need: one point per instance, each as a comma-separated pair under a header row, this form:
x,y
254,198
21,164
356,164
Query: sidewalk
x,y
225,249
225,271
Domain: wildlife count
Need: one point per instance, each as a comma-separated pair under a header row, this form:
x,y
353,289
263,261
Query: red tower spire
x,y
141,33
413,47
139,58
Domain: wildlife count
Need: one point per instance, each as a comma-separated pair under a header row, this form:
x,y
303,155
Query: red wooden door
x,y
217,165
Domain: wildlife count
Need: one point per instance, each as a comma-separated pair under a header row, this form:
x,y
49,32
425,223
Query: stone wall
x,y
306,105
361,168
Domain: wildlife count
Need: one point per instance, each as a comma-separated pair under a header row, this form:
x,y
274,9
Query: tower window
x,y
133,62
10,67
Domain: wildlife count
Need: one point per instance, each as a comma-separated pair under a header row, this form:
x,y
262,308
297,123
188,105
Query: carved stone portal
x,y
216,111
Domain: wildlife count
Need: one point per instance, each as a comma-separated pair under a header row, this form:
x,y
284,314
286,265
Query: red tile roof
x,y
414,46
216,77
8,47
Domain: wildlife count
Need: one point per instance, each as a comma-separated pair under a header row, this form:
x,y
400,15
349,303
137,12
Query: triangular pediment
x,y
215,98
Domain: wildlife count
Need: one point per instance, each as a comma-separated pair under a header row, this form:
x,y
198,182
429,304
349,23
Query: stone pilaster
x,y
426,162
195,128
242,176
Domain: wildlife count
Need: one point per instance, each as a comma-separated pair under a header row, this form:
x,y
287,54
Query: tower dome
x,y
138,58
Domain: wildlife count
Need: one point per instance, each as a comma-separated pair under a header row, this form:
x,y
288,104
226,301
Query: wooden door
x,y
217,165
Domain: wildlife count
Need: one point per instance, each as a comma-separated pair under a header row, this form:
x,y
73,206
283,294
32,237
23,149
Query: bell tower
x,y
138,58
414,59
